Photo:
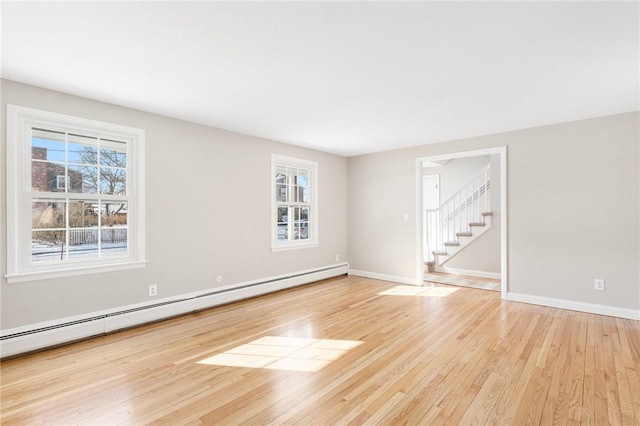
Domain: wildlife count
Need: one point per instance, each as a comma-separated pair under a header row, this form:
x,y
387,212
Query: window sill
x,y
293,246
69,272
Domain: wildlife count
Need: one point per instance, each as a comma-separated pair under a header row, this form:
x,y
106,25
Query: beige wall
x,y
574,198
457,173
198,224
573,208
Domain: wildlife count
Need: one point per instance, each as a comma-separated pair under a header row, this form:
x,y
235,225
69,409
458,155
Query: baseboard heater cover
x,y
43,335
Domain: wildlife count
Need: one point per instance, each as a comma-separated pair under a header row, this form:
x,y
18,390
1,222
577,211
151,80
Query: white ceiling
x,y
342,77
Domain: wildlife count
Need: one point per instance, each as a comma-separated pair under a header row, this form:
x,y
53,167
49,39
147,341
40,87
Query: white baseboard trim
x,y
50,333
612,311
469,272
384,277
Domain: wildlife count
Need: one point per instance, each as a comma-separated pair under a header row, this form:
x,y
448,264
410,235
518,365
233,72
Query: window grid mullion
x,y
99,228
66,160
67,231
99,192
78,196
99,171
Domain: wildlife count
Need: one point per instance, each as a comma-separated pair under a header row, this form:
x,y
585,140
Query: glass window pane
x,y
283,233
83,229
82,149
113,181
304,223
282,214
301,224
83,214
303,183
113,153
301,230
48,214
303,178
281,193
282,222
47,145
296,223
114,213
114,231
281,175
47,246
83,179
47,176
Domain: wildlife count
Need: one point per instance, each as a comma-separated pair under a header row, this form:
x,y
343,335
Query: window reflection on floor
x,y
409,290
284,353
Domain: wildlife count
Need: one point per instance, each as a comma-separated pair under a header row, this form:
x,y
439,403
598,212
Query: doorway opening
x,y
455,207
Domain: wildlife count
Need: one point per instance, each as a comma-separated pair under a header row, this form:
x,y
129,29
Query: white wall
x,y
573,198
208,213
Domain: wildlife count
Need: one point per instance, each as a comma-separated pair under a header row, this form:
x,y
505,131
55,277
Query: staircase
x,y
457,222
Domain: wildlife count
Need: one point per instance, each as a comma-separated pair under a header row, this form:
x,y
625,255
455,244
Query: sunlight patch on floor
x,y
410,290
284,353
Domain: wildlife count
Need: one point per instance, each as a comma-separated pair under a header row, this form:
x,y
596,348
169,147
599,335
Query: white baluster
x,y
466,206
456,217
487,185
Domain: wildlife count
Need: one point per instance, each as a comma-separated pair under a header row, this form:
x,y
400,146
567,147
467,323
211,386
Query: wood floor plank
x,y
349,350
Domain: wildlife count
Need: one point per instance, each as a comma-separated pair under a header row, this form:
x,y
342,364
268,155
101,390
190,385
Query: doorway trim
x,y
502,152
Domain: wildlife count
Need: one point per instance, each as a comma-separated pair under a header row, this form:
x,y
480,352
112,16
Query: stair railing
x,y
443,224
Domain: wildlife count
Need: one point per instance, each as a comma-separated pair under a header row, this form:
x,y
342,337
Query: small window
x,y
76,200
61,183
294,222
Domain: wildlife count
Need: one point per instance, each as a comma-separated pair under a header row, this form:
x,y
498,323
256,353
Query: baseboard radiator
x,y
52,333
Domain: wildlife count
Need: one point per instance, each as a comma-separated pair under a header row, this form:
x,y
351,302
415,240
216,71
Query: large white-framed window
x,y
294,203
75,195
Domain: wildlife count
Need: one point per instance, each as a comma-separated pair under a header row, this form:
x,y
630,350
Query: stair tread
x,y
487,213
464,234
477,224
440,253
451,243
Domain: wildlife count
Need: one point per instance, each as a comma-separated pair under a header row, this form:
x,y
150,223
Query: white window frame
x,y
312,230
20,268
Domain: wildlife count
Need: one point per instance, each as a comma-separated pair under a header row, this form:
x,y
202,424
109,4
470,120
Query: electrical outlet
x,y
337,258
219,278
598,284
153,290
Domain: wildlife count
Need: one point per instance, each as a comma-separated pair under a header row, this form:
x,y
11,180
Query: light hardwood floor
x,y
462,281
347,350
